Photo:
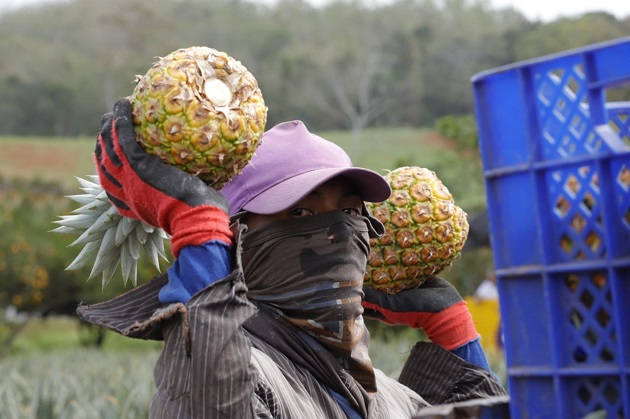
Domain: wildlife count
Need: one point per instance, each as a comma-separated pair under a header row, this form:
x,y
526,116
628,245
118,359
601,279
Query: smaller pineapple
x,y
424,231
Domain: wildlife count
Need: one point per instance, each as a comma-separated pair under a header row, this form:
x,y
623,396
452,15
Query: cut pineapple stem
x,y
218,92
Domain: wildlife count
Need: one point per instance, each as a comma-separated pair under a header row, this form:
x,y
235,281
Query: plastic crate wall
x,y
555,151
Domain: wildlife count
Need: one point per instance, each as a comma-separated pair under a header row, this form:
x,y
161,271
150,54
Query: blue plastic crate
x,y
555,150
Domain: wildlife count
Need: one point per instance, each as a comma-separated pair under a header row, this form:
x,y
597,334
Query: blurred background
x,y
387,80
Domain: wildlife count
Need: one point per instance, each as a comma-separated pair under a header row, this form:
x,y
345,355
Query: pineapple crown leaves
x,y
109,239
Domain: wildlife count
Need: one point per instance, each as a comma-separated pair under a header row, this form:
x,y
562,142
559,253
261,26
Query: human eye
x,y
352,211
300,212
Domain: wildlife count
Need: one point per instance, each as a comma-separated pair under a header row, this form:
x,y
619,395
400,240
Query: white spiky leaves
x,y
109,239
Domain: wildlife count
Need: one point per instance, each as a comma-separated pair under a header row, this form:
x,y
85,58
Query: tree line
x,y
346,65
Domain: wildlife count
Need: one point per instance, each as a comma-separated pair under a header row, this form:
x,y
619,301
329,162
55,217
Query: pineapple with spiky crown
x,y
425,231
197,109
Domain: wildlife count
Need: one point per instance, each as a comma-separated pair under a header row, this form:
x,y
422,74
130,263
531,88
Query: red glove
x,y
143,187
436,307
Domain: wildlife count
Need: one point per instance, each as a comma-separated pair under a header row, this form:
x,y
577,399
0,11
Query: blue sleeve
x,y
473,353
196,268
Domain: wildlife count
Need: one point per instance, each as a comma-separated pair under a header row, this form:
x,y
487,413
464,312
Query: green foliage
x,y
64,333
77,384
460,128
567,33
33,261
26,261
347,63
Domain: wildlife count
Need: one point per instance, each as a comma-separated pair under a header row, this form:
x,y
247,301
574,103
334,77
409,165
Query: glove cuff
x,y
194,226
451,328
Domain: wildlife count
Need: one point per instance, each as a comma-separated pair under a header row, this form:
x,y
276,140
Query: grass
x,y
77,383
50,375
62,333
382,149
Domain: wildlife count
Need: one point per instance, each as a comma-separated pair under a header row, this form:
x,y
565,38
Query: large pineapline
x,y
200,110
425,231
197,109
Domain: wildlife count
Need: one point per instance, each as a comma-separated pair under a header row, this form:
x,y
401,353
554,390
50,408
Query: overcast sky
x,y
544,10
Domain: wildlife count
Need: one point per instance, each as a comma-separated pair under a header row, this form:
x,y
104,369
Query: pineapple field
x,y
59,159
49,372
31,166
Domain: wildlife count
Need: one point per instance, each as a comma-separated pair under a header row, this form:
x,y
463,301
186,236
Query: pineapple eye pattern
x,y
200,110
425,231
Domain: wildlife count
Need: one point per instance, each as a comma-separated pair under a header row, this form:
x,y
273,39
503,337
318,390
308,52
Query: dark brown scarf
x,y
306,276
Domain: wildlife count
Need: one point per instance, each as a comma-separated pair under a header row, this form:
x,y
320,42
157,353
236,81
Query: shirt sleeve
x,y
196,268
473,353
204,369
441,377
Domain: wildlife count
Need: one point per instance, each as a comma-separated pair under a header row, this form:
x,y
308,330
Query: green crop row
x,y
86,384
79,384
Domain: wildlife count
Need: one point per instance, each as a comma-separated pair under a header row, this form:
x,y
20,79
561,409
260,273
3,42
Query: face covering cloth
x,y
308,273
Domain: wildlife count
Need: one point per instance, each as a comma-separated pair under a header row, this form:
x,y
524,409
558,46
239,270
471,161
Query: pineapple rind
x,y
425,231
200,110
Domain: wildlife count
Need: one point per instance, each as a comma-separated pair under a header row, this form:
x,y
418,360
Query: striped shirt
x,y
211,367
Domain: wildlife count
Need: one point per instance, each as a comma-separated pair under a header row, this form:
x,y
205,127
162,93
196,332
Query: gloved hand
x,y
436,307
143,187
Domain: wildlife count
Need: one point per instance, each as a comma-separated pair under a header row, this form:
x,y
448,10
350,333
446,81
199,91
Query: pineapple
x,y
201,111
197,109
424,231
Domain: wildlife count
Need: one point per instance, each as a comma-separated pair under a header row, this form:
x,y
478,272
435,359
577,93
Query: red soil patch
x,y
437,140
29,157
50,162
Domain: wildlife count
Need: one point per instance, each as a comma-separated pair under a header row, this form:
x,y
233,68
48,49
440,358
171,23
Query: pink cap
x,y
291,162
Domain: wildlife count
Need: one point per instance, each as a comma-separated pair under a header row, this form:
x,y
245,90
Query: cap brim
x,y
371,186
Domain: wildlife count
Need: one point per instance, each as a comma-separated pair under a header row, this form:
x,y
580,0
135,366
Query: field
x,y
61,159
46,159
50,376
49,373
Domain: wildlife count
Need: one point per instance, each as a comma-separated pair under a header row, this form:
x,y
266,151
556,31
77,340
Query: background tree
x,y
343,65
